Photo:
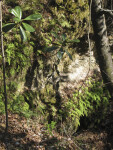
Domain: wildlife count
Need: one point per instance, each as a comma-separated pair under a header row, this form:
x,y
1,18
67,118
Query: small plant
x,y
51,127
19,22
60,44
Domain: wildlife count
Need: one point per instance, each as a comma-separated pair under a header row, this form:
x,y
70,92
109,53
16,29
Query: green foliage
x,y
34,17
19,104
17,57
90,100
16,103
28,27
2,106
8,27
57,31
23,34
61,42
17,12
51,127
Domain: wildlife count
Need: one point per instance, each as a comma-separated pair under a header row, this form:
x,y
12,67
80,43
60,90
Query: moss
x,y
48,93
41,65
59,1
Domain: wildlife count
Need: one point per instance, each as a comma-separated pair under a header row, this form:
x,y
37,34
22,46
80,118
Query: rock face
x,y
79,70
49,78
49,83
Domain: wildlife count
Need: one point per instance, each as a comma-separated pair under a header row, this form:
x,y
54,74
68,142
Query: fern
x,y
87,102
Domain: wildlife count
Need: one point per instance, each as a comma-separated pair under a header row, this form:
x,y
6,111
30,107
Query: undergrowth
x,y
90,102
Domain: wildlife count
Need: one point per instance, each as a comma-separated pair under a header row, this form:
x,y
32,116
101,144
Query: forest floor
x,y
27,134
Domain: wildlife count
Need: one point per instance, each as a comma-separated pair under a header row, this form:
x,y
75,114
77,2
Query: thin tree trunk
x,y
102,44
3,61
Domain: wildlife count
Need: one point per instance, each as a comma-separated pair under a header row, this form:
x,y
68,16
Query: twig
x,y
3,61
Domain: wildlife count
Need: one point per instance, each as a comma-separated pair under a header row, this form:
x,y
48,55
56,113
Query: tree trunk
x,y
102,45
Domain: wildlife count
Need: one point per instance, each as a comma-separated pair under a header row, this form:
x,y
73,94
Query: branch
x,y
106,12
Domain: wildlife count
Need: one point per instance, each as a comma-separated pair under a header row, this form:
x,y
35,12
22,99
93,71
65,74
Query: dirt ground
x,y
26,134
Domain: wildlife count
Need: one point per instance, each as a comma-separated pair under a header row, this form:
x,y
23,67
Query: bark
x,y
102,44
